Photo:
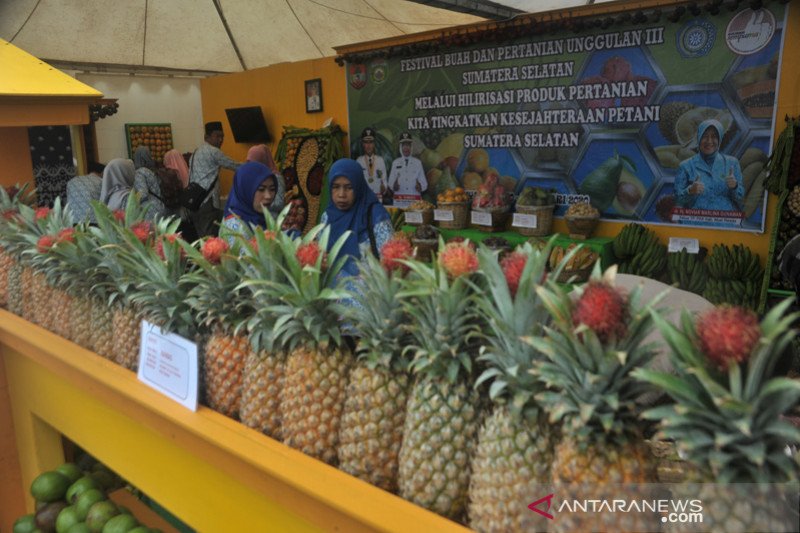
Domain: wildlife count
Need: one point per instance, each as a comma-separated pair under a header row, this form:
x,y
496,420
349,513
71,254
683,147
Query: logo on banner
x,y
378,69
696,38
358,76
750,31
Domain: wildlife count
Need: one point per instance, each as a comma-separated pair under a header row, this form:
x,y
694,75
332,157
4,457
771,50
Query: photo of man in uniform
x,y
372,164
407,177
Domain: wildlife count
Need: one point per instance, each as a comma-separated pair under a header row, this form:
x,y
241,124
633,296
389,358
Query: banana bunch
x,y
733,291
631,240
735,276
649,263
582,259
687,271
737,263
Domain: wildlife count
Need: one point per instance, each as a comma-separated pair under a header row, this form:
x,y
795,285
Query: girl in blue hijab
x,y
255,187
710,180
353,206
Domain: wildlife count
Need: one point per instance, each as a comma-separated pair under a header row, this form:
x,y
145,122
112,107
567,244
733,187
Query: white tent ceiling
x,y
225,35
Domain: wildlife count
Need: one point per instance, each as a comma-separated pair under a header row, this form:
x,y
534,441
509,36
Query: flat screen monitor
x,y
247,124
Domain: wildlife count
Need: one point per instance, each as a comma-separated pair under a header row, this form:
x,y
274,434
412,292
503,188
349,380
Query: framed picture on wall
x,y
314,95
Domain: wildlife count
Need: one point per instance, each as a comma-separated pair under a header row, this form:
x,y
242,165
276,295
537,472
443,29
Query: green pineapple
x,y
264,372
593,346
9,269
223,306
307,310
726,418
444,408
515,443
375,408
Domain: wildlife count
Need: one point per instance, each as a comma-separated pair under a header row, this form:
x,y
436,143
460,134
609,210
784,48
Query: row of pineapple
x,y
472,382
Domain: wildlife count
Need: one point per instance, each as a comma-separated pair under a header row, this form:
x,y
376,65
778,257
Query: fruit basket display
x,y
304,157
490,219
157,137
425,240
491,206
582,219
455,203
578,268
419,213
536,201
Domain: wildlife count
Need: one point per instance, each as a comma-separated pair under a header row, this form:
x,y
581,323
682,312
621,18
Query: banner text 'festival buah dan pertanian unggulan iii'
x,y
628,117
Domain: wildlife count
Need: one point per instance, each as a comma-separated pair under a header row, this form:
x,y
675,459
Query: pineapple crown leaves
x,y
307,301
508,319
159,288
380,318
9,204
443,338
730,423
215,294
591,389
33,225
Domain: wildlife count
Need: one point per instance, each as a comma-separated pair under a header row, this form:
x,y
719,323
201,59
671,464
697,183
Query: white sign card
x,y
481,219
443,215
168,364
676,244
414,217
522,220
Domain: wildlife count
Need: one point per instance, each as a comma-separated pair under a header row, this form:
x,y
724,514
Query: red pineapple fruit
x,y
394,251
513,264
159,244
142,230
308,253
41,213
727,334
458,259
213,249
604,309
66,235
45,242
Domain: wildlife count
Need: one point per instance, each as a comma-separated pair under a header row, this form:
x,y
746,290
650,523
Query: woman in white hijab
x,y
117,183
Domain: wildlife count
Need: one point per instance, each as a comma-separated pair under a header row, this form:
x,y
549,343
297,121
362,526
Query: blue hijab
x,y
247,179
355,218
701,129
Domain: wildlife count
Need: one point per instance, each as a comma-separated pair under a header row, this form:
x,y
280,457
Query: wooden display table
x,y
212,472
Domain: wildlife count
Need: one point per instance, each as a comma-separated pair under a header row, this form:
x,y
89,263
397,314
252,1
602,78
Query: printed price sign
x,y
414,217
522,220
443,215
481,219
168,363
676,244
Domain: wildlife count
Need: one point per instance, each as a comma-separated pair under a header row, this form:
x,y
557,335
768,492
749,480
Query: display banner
x,y
612,116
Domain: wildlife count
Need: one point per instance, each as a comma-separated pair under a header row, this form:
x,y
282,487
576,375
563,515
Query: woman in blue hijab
x,y
353,206
255,187
710,180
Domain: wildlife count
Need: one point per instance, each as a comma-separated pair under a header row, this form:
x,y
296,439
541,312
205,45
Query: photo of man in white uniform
x,y
372,164
407,177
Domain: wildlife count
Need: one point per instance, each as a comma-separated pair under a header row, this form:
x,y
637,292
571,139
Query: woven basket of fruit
x,y
544,220
460,212
582,219
426,241
578,268
496,220
418,213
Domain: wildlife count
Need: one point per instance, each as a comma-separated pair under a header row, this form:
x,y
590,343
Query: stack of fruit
x,y
424,211
578,265
735,276
639,252
540,202
74,498
425,240
492,198
157,137
687,271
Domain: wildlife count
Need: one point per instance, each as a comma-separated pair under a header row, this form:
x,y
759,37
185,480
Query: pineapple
x,y
594,344
307,309
443,412
727,414
375,408
220,304
265,364
515,444
113,237
9,216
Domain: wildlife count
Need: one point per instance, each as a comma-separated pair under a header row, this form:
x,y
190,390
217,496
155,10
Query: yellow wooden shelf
x,y
212,472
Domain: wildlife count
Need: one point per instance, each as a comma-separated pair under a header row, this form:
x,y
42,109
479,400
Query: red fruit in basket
x,y
513,264
394,251
44,243
458,259
604,309
727,334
